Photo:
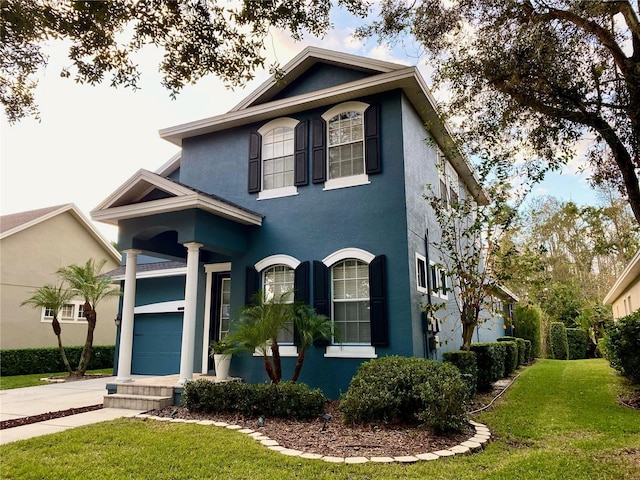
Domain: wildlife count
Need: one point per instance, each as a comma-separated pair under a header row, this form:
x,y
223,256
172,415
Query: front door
x,y
220,308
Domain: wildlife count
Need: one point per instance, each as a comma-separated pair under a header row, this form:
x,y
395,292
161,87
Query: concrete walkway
x,y
24,402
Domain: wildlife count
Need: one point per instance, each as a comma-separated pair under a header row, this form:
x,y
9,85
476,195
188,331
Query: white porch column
x,y
126,327
189,321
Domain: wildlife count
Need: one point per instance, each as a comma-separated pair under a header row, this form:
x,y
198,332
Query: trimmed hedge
x,y
490,357
397,388
577,339
528,350
623,345
522,351
26,361
465,362
282,400
527,321
558,343
511,357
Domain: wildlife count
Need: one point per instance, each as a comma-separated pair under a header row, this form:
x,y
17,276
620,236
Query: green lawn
x,y
560,420
19,381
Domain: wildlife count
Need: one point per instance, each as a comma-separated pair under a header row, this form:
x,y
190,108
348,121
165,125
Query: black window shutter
x,y
321,296
254,162
301,283
378,301
373,158
301,173
252,284
319,151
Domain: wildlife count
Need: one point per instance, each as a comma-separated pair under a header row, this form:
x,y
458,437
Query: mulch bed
x,y
18,422
337,439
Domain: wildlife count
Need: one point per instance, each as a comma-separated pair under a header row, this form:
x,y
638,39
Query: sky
x,y
92,139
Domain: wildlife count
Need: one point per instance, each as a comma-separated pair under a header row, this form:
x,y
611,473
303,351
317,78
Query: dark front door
x,y
157,341
220,308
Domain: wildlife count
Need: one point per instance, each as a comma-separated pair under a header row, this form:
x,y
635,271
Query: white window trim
x,y
359,107
424,289
286,350
345,182
76,319
350,351
278,259
348,253
447,173
437,293
291,190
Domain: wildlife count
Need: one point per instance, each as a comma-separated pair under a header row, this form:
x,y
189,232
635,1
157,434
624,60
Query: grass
x,y
560,420
19,381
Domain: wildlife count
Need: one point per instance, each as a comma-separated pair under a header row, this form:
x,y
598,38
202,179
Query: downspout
x,y
425,328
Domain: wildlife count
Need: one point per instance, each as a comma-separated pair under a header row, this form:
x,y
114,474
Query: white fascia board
x,y
624,280
36,221
170,165
161,307
167,272
174,204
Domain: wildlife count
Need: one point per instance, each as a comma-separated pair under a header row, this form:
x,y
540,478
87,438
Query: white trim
x,y
347,253
77,319
170,165
160,307
344,182
359,107
424,289
627,278
350,351
285,351
217,267
282,122
278,192
278,259
165,272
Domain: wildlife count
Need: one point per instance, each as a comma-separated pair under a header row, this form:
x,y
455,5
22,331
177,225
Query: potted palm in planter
x,y
221,351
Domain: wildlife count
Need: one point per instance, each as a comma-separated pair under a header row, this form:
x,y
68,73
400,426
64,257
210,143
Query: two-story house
x,y
314,182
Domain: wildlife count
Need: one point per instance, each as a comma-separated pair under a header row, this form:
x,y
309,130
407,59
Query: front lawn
x,y
560,420
35,379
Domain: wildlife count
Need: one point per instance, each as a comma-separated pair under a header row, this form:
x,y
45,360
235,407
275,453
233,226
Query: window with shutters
x,y
278,158
350,290
448,180
345,145
439,281
276,282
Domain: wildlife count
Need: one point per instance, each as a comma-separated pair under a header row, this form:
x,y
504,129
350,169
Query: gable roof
x,y
17,222
147,193
385,77
630,274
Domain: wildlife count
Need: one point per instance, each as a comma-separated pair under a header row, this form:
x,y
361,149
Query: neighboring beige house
x,y
624,296
33,246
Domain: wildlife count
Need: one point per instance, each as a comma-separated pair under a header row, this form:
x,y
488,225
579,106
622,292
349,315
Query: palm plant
x,y
310,327
86,281
53,298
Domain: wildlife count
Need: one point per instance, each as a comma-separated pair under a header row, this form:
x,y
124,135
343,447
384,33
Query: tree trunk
x,y
467,335
90,315
299,362
277,364
56,329
269,369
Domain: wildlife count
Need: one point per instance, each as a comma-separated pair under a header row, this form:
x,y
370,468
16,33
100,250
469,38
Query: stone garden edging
x,y
472,445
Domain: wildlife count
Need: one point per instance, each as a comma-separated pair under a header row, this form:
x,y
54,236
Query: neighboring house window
x,y
350,288
225,307
346,145
70,313
276,281
421,273
278,158
448,180
439,282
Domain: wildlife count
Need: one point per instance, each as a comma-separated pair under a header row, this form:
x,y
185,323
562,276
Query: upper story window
x,y
69,313
421,273
278,158
448,181
346,145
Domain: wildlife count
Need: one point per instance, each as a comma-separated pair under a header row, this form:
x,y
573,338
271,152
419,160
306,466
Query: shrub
x,y
26,361
528,351
465,362
558,344
522,351
490,358
527,321
511,357
623,345
577,339
404,388
282,400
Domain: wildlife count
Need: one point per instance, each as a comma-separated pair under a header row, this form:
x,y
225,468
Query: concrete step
x,y
147,390
137,402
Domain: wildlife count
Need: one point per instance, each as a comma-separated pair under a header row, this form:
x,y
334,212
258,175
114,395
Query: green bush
x,y
558,344
522,351
465,362
527,322
511,356
490,357
282,400
396,388
528,351
26,361
623,345
577,339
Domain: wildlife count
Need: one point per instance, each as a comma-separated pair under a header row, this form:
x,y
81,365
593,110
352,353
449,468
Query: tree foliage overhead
x,y
530,78
197,37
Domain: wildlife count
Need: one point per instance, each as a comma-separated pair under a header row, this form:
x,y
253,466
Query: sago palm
x,y
86,281
53,298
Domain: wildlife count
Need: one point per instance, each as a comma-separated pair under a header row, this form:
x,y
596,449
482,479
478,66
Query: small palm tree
x,y
86,281
310,327
53,298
